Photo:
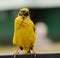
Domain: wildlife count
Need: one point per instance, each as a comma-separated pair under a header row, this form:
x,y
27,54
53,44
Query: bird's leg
x,y
33,51
16,53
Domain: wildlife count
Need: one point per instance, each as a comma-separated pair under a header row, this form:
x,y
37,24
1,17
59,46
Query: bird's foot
x,y
14,55
34,53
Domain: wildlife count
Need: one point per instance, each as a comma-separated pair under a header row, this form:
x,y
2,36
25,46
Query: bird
x,y
24,32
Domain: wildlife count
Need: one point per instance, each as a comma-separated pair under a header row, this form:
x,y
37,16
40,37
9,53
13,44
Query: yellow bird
x,y
24,35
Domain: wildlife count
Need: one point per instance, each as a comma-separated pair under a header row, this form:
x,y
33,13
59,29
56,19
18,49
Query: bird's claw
x,y
14,55
34,55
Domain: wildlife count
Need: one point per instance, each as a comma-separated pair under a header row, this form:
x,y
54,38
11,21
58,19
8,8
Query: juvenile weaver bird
x,y
24,35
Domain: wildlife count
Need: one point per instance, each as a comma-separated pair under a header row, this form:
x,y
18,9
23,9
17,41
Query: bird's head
x,y
24,12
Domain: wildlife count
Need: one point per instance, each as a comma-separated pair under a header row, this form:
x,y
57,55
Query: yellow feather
x,y
24,32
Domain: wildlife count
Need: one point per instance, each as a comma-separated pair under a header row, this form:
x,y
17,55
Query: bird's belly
x,y
24,37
